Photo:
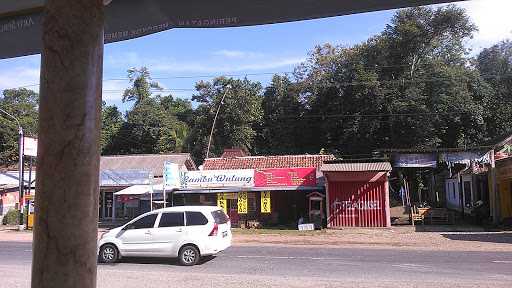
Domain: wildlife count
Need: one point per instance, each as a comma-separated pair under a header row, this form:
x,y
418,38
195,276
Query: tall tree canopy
x,y
22,104
155,124
414,85
280,131
239,113
495,66
410,86
142,85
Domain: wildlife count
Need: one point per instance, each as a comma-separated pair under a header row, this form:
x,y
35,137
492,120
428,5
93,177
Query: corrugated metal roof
x,y
433,150
153,163
356,167
11,179
124,177
262,162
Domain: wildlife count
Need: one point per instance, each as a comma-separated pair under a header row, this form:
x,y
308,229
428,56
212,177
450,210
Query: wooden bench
x,y
418,214
438,216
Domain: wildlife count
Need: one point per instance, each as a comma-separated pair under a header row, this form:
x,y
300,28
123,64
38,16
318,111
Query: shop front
x,y
357,194
504,181
252,197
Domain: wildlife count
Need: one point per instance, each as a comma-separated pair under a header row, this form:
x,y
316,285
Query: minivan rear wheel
x,y
189,255
108,253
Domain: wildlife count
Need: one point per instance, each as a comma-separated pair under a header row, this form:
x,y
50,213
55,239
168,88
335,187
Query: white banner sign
x,y
172,175
218,178
30,146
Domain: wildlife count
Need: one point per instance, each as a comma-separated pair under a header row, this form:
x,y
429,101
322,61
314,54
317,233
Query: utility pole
x,y
215,120
20,168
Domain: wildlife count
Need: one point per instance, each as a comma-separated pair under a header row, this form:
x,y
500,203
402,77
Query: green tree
x,y
155,124
111,122
142,85
22,104
495,66
280,131
239,113
410,86
149,129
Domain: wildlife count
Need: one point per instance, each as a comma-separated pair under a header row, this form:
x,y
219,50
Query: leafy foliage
x,y
142,85
240,111
413,85
22,104
11,217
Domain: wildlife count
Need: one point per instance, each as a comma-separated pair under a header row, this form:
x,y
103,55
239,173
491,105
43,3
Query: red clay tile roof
x,y
262,162
235,152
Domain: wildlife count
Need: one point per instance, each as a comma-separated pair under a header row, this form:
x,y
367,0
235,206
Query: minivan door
x,y
136,237
169,234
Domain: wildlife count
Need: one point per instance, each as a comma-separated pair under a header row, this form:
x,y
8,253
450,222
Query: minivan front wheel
x,y
108,253
189,255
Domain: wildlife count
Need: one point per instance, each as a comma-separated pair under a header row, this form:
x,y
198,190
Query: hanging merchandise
x,y
265,202
242,203
222,202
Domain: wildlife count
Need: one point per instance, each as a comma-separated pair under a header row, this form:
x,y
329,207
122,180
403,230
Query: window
x,y
174,219
196,218
453,189
144,222
220,217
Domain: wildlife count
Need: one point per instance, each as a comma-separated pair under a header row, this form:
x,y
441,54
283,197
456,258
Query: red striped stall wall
x,y
358,204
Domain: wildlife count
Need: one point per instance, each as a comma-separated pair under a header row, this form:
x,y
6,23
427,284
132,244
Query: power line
x,y
329,85
370,115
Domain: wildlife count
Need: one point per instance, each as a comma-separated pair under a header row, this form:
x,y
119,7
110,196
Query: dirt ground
x,y
435,238
447,238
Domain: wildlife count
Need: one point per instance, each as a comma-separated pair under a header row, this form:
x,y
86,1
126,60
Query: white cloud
x,y
123,59
237,63
493,20
21,76
113,89
170,65
238,54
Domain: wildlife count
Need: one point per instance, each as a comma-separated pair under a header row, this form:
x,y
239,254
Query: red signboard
x,y
285,177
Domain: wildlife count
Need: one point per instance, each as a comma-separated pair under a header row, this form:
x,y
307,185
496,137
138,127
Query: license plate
x,y
224,234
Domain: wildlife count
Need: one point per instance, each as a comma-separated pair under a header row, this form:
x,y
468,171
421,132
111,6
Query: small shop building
x,y
118,173
504,188
9,190
357,194
258,190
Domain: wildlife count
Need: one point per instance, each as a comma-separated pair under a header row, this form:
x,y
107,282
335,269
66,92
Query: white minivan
x,y
185,232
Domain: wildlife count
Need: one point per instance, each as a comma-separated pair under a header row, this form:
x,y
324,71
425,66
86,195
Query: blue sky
x,y
191,53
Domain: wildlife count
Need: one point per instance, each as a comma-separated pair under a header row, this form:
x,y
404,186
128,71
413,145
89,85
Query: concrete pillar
x,y
65,234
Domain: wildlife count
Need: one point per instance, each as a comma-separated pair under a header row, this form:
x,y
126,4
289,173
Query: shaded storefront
x,y
121,172
265,197
504,187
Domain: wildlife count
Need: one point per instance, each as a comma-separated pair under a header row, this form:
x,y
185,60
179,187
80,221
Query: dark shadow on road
x,y
449,228
481,237
152,261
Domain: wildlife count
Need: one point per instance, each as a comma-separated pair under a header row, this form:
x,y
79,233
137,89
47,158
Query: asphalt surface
x,y
279,266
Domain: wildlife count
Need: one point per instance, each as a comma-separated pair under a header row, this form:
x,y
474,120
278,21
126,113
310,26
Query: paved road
x,y
273,266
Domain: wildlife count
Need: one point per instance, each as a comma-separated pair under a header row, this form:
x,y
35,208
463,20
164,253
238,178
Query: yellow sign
x,y
222,202
265,202
242,203
30,221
